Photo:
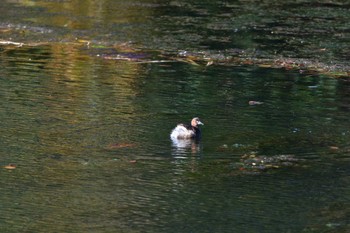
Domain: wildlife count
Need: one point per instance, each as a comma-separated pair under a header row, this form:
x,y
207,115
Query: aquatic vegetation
x,y
204,59
255,162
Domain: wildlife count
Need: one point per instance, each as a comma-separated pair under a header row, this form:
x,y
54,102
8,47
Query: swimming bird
x,y
187,131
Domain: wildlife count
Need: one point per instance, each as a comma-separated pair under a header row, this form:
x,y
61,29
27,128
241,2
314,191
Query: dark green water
x,y
90,136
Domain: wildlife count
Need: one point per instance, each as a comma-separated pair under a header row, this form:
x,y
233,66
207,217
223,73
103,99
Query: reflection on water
x,y
90,136
259,29
184,147
59,117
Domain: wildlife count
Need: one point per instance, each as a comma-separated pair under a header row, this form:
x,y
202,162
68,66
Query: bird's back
x,y
183,131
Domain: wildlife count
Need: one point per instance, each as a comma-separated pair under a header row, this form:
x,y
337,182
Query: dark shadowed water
x,y
88,101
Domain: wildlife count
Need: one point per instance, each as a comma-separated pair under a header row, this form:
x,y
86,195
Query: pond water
x,y
91,91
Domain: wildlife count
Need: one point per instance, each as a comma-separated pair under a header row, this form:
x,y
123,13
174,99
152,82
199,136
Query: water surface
x,y
89,135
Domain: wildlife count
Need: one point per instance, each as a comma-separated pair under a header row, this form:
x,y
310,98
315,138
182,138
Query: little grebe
x,y
187,131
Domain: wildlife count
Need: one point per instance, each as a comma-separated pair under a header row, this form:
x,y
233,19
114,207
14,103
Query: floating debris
x,y
10,166
234,57
210,63
334,148
254,162
223,147
2,42
121,145
253,102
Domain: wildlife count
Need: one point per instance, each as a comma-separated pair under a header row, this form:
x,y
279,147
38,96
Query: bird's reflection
x,y
183,148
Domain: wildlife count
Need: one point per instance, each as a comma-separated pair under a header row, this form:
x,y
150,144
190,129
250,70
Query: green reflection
x,y
89,132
